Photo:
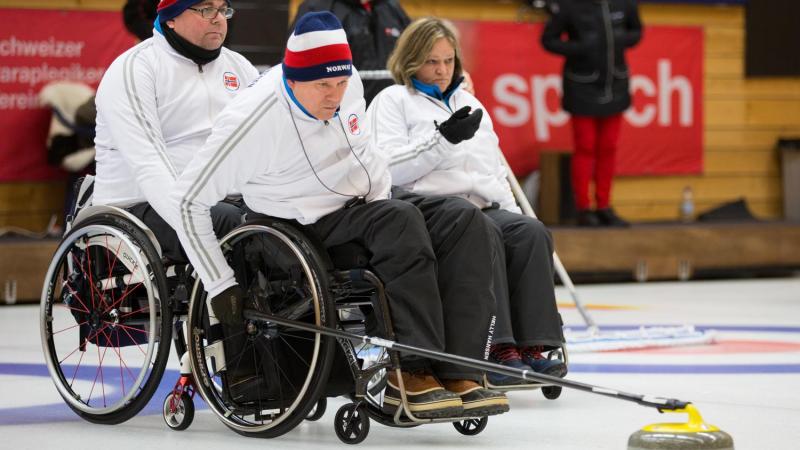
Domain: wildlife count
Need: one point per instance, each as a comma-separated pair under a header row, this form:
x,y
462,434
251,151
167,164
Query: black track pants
x,y
529,316
404,255
462,242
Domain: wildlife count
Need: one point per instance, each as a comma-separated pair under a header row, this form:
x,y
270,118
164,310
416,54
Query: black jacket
x,y
598,33
372,36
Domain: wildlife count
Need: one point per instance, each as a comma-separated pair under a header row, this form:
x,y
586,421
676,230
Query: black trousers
x,y
224,218
430,254
524,276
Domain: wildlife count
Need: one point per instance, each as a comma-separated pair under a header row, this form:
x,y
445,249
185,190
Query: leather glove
x,y
228,305
461,125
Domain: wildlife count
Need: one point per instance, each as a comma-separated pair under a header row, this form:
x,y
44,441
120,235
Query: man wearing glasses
x,y
155,108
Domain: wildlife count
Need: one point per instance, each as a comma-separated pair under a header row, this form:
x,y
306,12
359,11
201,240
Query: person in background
x,y
593,36
372,28
439,142
138,17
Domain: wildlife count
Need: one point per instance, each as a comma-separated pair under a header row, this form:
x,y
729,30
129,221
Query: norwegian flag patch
x,y
231,81
352,122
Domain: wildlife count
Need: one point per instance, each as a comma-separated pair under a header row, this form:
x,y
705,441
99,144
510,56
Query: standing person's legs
x,y
584,134
583,159
606,154
461,238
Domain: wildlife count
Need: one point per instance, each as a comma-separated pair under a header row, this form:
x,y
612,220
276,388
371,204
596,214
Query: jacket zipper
x,y
208,92
608,96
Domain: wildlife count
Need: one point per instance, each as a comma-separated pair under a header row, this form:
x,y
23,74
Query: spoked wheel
x,y
351,423
104,319
551,392
471,427
319,410
178,411
262,379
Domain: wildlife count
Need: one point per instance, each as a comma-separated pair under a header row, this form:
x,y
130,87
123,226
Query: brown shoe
x,y
427,399
477,400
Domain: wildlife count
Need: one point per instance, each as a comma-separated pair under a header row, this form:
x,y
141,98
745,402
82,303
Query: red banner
x,y
37,47
519,83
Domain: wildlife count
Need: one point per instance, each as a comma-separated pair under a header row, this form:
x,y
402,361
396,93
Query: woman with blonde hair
x,y
438,141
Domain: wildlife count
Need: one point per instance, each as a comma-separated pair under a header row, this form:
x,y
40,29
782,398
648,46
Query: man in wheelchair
x,y
296,147
155,107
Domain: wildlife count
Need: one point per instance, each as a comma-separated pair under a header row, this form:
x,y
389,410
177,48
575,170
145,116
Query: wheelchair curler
x,y
317,324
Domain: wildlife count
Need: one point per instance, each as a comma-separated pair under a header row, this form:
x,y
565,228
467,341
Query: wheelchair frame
x,y
188,318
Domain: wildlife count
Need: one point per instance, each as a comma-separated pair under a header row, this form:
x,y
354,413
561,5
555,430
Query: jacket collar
x,y
162,43
433,91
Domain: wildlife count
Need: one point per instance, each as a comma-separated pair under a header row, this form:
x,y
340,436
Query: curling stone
x,y
694,434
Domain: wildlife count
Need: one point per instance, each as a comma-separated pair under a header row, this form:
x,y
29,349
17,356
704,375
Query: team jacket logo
x,y
231,81
352,122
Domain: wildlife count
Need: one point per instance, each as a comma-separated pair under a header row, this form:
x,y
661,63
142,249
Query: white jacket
x,y
155,109
278,157
421,160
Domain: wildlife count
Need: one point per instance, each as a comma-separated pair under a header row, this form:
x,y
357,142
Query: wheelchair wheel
x,y
551,392
471,427
281,274
351,423
178,411
318,411
105,320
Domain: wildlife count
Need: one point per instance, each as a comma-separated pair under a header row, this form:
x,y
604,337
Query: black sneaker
x,y
608,217
477,400
533,357
427,399
588,218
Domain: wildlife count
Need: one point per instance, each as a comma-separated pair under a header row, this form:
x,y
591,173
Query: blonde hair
x,y
416,43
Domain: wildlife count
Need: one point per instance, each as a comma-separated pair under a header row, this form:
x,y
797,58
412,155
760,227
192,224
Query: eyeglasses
x,y
211,12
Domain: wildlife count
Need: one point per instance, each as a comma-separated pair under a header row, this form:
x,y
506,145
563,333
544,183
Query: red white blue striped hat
x,y
317,49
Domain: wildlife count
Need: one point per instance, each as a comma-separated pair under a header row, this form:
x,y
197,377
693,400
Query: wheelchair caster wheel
x,y
551,392
351,423
319,410
471,427
178,412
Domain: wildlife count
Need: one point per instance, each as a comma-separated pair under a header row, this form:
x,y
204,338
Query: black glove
x,y
228,305
461,125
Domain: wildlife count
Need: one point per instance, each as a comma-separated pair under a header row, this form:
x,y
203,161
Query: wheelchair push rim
x,y
101,322
260,416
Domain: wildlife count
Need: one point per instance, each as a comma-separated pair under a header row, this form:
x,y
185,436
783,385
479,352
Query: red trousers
x,y
594,158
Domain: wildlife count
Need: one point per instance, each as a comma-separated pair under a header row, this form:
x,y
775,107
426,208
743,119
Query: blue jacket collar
x,y
432,90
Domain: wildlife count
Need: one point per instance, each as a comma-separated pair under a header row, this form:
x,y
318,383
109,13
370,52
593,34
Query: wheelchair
x,y
110,306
